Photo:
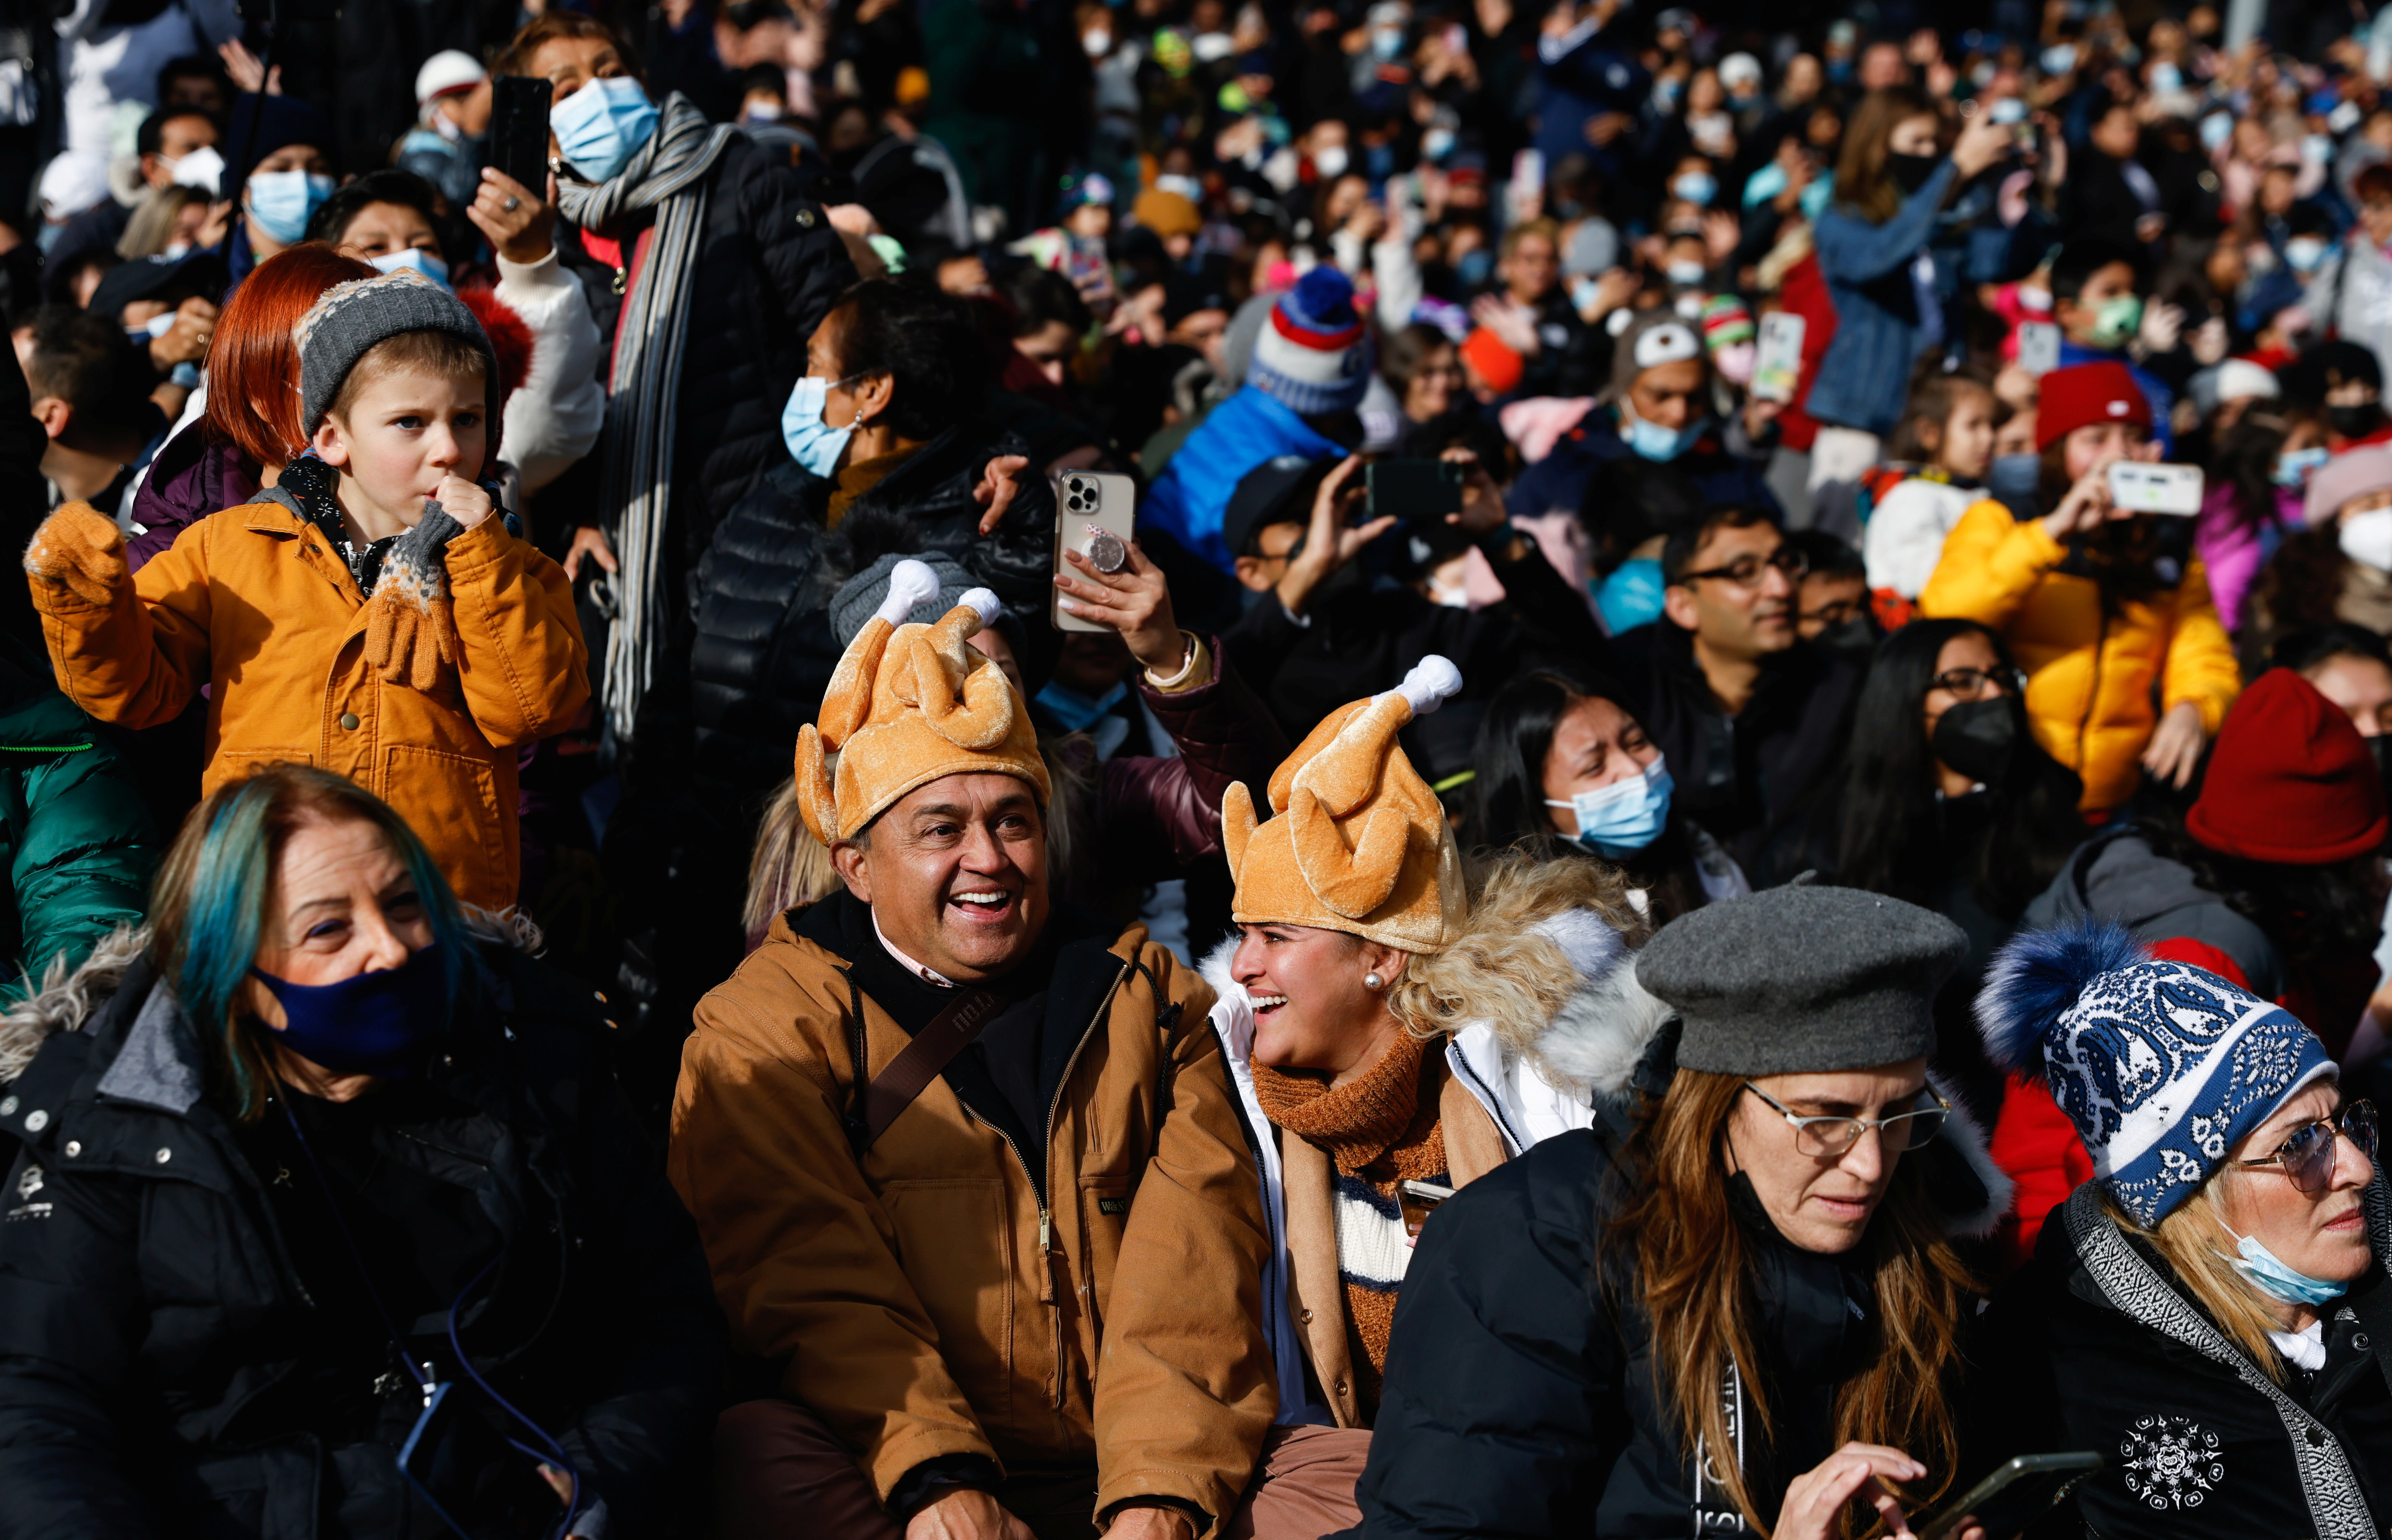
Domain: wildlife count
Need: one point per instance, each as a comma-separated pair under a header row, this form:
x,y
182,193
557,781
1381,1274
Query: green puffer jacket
x,y
77,838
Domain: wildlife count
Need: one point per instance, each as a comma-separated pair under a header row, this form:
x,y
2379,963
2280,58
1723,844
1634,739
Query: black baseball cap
x,y
1278,491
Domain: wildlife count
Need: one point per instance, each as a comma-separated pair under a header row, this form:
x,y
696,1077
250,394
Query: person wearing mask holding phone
x,y
2108,611
2200,1312
708,263
1891,184
315,1053
1689,1321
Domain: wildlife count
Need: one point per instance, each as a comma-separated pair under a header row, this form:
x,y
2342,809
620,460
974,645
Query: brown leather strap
x,y
893,1090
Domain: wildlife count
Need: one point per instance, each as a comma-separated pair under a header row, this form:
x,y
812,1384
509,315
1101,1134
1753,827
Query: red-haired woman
x,y
250,428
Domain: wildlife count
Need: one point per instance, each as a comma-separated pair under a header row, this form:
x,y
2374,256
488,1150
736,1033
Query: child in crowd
x,y
1939,455
369,614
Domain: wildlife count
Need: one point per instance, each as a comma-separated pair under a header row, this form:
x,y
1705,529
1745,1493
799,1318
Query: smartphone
x,y
1413,488
2039,347
1084,498
1416,1198
2015,1495
1777,360
519,130
2173,490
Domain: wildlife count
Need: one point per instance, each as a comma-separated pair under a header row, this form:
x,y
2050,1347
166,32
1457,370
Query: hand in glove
x,y
78,550
411,629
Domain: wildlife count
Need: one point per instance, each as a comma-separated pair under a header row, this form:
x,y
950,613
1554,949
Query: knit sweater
x,y
1378,1130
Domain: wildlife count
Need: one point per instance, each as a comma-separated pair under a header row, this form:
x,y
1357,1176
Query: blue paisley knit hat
x,y
2162,1067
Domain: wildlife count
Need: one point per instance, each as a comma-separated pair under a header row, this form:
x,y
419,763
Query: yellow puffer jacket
x,y
2091,678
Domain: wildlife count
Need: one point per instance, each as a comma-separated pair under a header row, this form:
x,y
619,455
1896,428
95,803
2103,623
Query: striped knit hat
x,y
1313,354
1725,322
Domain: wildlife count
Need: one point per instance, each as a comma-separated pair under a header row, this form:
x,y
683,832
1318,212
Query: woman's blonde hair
x,y
1696,1264
1500,970
2188,1239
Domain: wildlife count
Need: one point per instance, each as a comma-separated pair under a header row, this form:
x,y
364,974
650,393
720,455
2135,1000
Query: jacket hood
x,y
1602,1032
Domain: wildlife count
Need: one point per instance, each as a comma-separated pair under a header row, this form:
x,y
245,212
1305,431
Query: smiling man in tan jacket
x,y
970,1177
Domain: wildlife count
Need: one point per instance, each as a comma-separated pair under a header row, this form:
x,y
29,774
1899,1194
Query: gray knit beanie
x,y
352,317
860,597
1803,981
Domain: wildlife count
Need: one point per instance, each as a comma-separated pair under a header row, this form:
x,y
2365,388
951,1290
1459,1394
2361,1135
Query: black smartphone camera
x,y
1414,488
519,130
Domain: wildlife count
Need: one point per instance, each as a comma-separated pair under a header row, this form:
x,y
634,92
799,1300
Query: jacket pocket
x,y
238,764
1104,1216
959,1253
453,802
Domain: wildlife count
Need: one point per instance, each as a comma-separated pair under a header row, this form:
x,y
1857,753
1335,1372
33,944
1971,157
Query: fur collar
x,y
1599,1036
1966,1139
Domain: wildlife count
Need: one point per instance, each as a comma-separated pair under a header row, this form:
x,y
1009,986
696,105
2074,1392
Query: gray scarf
x,y
667,173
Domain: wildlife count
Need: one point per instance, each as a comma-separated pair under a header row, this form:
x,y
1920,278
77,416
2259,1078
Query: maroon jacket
x,y
190,479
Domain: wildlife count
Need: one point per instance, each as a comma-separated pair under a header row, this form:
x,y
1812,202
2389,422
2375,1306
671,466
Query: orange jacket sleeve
x,y
526,671
138,660
1991,563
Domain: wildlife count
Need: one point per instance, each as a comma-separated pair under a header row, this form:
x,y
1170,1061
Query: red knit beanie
x,y
2085,395
2291,780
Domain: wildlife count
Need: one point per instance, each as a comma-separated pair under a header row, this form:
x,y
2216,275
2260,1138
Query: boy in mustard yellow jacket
x,y
368,615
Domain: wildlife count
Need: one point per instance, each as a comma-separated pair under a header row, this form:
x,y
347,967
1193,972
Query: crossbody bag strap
x,y
933,1048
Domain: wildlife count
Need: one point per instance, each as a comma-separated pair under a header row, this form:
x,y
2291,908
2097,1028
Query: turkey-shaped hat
x,y
909,704
1361,843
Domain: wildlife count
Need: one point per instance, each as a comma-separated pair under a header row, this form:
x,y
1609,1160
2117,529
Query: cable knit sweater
x,y
1378,1130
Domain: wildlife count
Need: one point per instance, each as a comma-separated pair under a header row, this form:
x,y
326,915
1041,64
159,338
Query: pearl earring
x,y
1373,981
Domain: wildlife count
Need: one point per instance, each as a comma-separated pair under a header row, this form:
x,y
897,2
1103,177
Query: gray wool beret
x,y
859,599
351,318
1803,981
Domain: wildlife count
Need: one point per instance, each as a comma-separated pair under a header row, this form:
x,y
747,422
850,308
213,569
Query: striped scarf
x,y
667,173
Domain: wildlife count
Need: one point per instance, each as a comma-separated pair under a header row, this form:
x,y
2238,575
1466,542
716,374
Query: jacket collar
x,y
157,1064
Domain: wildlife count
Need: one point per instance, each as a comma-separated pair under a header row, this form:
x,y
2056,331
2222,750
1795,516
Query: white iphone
x,y
1088,505
2174,490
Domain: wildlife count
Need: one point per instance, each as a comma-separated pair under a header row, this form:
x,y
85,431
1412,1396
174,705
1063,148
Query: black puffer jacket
x,y
768,267
155,1372
1520,1397
2095,1344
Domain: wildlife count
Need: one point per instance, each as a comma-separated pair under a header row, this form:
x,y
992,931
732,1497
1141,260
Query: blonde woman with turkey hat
x,y
1356,955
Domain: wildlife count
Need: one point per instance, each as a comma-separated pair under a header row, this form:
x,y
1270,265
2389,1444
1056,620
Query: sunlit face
x,y
344,904
403,434
1967,447
1314,1008
379,229
1532,269
1912,136
2323,1234
1732,619
1664,394
956,874
2088,446
1595,744
2360,686
1430,395
1822,1203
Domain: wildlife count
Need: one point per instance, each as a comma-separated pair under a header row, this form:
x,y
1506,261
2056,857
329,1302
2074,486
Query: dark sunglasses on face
x,y
2307,1153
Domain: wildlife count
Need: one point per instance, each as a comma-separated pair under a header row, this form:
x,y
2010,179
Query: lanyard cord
x,y
423,1376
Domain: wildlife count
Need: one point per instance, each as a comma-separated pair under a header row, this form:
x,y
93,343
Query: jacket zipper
x,y
1058,1278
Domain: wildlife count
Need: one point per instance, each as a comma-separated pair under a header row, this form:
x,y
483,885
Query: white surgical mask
x,y
2367,539
203,168
1330,161
1096,43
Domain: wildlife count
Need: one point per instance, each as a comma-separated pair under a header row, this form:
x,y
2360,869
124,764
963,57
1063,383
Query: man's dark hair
x,y
1041,297
389,185
768,78
1677,550
85,362
206,66
925,341
2079,260
153,127
2303,650
1829,556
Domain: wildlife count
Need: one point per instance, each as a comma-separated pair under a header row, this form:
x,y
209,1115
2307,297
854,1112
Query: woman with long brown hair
x,y
1742,1313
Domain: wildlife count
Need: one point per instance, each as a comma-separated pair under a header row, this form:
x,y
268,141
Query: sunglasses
x,y
2307,1154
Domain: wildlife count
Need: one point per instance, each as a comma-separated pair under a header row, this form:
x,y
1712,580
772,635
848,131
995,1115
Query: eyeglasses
x,y
1831,1136
1744,571
2308,1156
1974,684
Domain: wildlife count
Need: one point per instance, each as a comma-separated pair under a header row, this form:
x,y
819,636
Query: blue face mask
x,y
814,443
422,262
282,203
603,125
1632,595
2266,1271
1472,269
374,1024
1696,186
1075,712
2293,467
1615,821
1652,441
2216,129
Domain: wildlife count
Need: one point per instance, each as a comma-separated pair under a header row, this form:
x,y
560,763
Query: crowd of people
x,y
1370,768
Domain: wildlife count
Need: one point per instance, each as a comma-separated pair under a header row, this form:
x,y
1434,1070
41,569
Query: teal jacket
x,y
77,836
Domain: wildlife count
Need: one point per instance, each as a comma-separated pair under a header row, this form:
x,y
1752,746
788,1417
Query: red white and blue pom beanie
x,y
1314,352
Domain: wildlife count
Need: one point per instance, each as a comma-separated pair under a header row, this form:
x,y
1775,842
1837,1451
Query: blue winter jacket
x,y
1188,499
1881,329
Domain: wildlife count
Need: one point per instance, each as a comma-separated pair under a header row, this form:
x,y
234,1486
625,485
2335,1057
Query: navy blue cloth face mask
x,y
380,1023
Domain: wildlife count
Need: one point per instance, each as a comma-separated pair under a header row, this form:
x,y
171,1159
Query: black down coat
x,y
768,267
2097,1344
1520,1398
154,1372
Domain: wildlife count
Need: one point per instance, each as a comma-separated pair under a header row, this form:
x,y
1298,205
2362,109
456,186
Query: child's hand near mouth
x,y
462,501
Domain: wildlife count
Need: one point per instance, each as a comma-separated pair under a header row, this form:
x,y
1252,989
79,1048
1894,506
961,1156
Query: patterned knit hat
x,y
1313,354
1361,844
351,318
2161,1067
1725,322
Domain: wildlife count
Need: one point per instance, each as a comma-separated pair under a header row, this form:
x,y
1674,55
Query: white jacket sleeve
x,y
553,417
1905,535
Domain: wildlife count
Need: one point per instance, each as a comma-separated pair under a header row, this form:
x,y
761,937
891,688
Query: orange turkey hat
x,y
907,704
1360,844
